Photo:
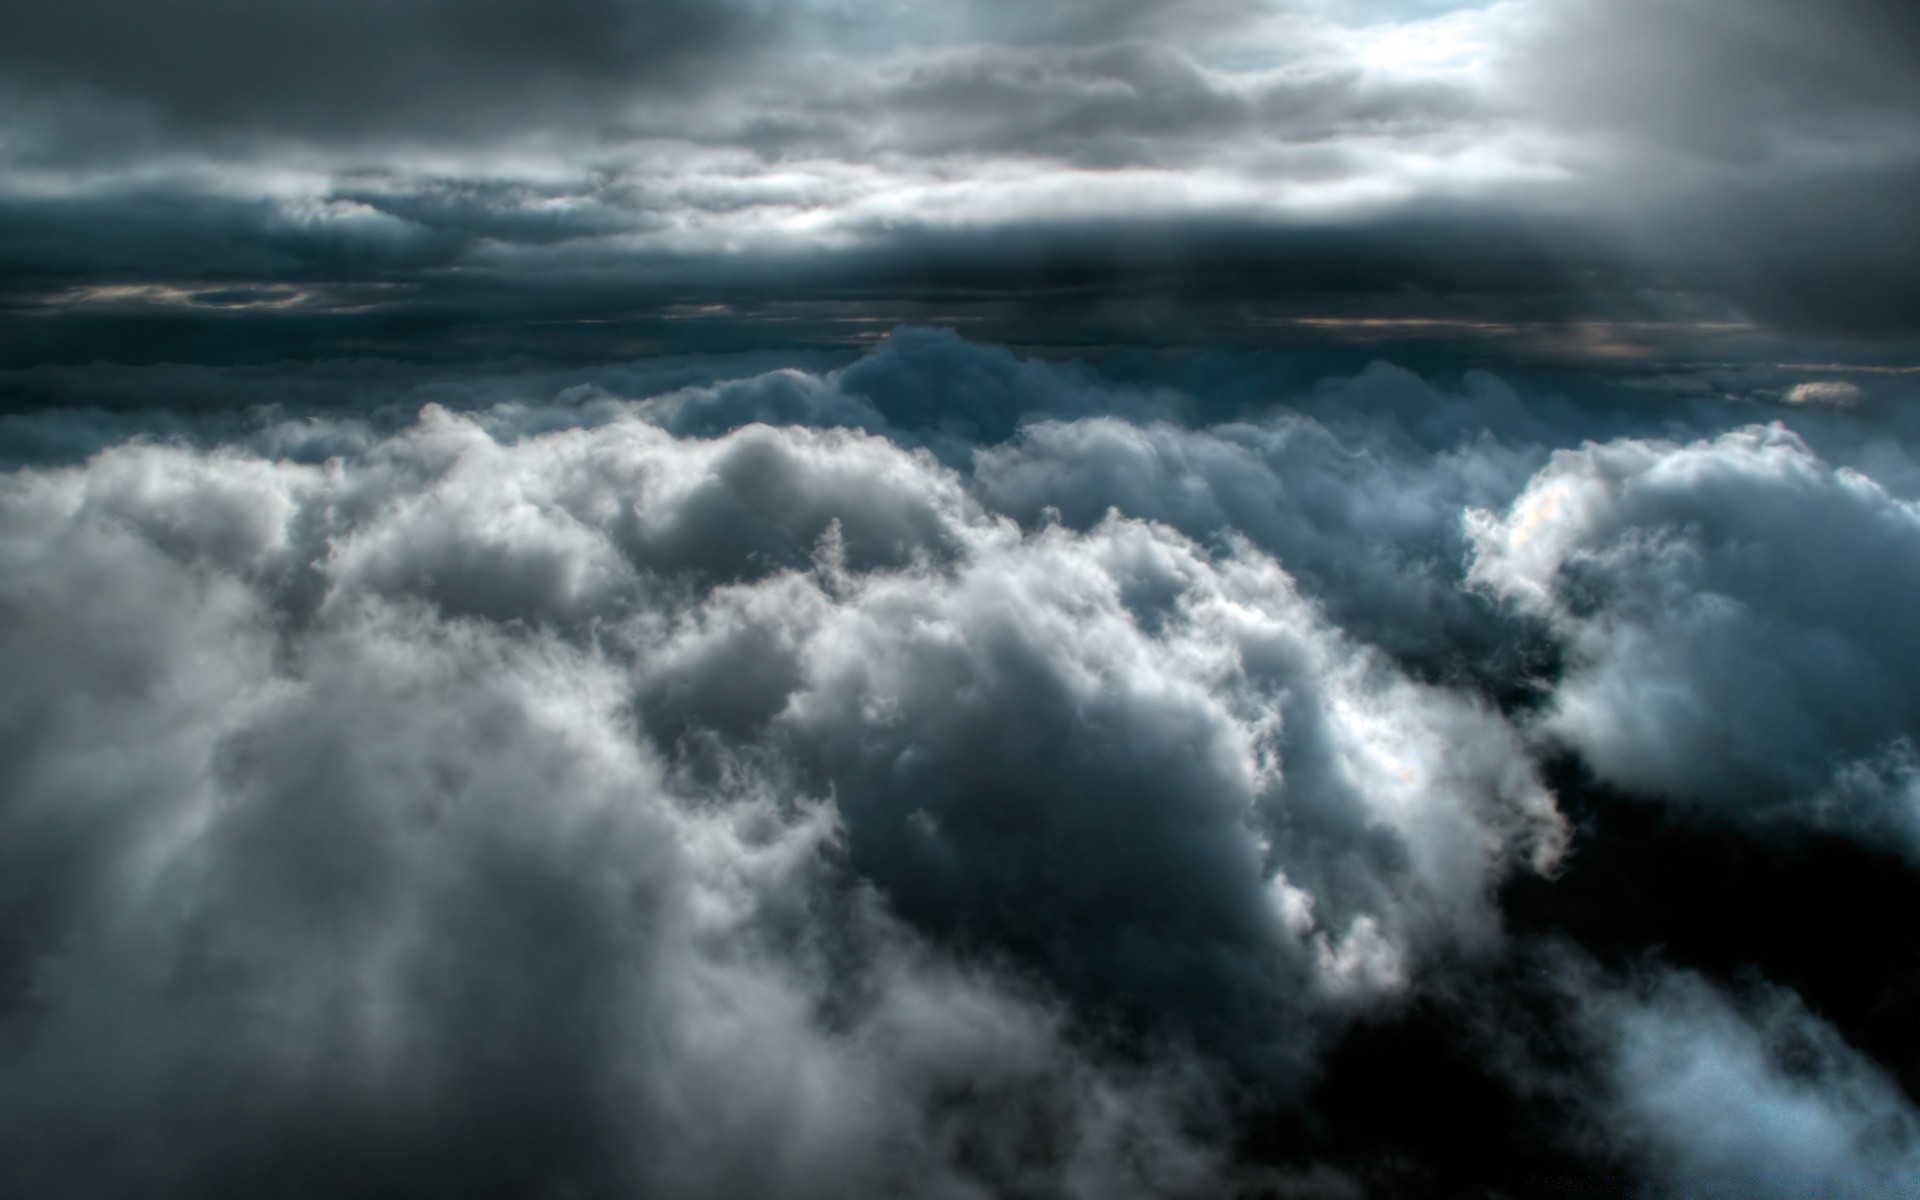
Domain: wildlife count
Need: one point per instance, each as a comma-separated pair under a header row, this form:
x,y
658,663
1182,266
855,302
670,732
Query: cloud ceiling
x,y
1527,161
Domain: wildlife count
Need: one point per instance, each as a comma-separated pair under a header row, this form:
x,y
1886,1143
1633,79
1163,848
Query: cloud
x,y
1711,1096
1177,172
445,270
320,888
419,67
942,771
508,802
1727,644
1756,151
516,683
945,767
1824,391
1347,498
1732,81
1110,104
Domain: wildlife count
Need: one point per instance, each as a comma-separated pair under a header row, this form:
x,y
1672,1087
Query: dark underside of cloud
x,y
1805,269
347,69
184,278
943,772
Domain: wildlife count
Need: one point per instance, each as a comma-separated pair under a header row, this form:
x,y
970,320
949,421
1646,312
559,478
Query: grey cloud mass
x,y
943,774
1113,598
417,67
1754,1097
350,849
1128,104
337,780
1711,599
1715,171
1740,82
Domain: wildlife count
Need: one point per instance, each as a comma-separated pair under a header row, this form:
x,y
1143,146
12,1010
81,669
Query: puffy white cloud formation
x,y
1717,1098
1736,613
356,894
504,807
944,774
1355,486
1371,526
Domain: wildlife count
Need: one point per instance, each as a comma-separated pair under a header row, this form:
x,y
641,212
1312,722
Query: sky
x,y
603,178
1118,598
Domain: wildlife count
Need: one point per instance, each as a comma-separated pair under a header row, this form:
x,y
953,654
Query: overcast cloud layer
x,y
1556,179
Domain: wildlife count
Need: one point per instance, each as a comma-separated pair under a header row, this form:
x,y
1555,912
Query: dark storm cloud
x,y
1731,82
475,210
178,237
402,230
1765,152
1011,22
1164,172
416,67
1822,249
447,269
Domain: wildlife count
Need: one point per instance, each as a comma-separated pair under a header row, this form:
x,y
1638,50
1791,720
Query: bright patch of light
x,y
1458,45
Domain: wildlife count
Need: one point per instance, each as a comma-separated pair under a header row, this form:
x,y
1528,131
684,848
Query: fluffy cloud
x,y
314,884
1713,1097
599,808
1353,504
939,772
1734,612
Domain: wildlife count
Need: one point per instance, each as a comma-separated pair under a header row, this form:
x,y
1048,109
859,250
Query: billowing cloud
x,y
1353,505
945,772
1716,1097
1378,666
616,809
415,890
1728,643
